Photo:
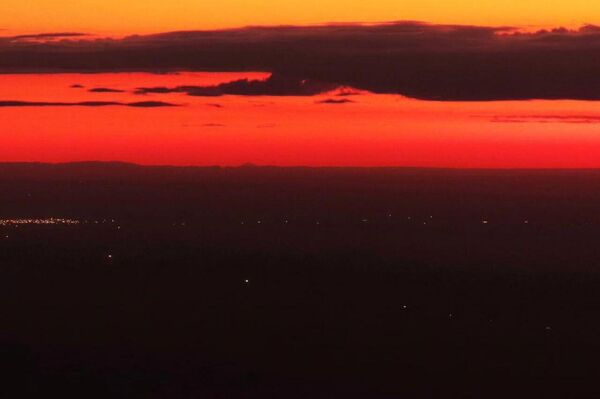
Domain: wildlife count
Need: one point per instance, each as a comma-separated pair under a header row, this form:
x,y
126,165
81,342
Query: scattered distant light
x,y
484,221
110,256
450,315
365,220
526,222
404,307
246,281
548,328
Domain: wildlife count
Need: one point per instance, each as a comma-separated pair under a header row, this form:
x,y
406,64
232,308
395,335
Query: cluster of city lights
x,y
49,221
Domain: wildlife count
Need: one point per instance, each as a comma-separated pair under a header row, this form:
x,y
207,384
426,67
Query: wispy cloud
x,y
43,37
335,101
577,119
105,90
142,104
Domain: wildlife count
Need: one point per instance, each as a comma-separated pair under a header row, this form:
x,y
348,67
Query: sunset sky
x,y
145,16
456,83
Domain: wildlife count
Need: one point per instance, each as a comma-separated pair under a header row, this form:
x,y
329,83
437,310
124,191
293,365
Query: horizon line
x,y
299,166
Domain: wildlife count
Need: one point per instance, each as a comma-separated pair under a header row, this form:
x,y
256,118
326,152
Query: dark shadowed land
x,y
298,282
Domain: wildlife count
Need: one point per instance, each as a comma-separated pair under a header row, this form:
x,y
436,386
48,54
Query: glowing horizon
x,y
136,16
363,130
452,91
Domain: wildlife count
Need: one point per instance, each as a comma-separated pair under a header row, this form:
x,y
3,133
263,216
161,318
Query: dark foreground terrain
x,y
298,283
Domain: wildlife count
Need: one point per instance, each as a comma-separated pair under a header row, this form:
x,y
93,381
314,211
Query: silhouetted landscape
x,y
129,281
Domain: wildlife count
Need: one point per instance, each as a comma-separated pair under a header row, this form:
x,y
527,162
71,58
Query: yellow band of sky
x,y
146,16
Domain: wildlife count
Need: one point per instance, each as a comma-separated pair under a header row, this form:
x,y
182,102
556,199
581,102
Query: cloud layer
x,y
141,104
275,85
105,90
576,119
436,62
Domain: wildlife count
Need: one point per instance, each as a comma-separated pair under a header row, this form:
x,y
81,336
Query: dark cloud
x,y
275,85
150,104
335,101
142,104
105,90
213,125
436,62
43,37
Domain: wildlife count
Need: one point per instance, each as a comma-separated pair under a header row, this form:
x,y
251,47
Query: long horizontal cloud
x,y
42,37
335,101
141,104
577,119
104,90
438,62
275,85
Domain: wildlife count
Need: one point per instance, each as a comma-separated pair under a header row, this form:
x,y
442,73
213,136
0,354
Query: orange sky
x,y
372,130
144,16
